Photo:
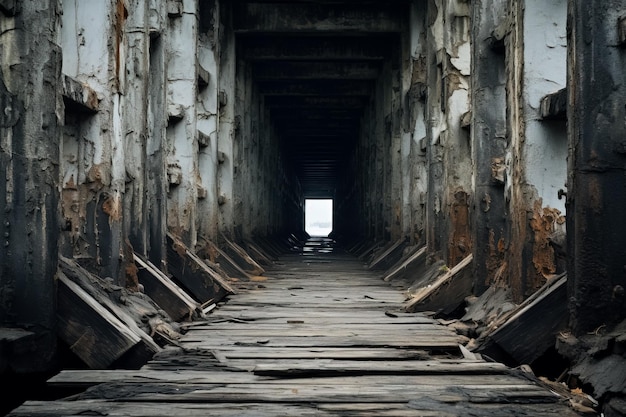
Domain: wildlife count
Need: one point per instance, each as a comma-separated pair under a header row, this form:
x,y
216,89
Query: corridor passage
x,y
318,335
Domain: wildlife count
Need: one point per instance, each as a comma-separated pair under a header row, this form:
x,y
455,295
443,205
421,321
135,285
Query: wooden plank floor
x,y
321,336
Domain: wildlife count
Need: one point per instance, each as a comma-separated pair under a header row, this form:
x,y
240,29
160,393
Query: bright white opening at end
x,y
318,217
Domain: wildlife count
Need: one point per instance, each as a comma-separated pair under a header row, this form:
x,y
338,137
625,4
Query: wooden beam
x,y
239,255
554,106
337,102
338,18
449,297
166,293
193,274
91,331
79,96
423,293
298,48
388,256
414,257
539,320
327,70
316,88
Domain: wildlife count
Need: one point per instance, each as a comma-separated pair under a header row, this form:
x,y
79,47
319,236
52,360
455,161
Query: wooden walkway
x,y
320,335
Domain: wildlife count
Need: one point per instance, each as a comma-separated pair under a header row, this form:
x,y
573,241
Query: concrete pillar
x,y
156,146
489,144
92,163
208,118
134,125
182,90
448,146
226,131
413,159
536,159
30,132
596,192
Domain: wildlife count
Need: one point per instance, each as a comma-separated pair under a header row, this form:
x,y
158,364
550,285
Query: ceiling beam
x,y
316,88
327,70
315,18
316,102
303,48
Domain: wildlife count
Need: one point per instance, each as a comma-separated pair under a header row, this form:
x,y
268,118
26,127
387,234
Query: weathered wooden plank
x,y
169,296
287,328
446,298
294,392
415,256
378,354
415,408
372,334
539,321
424,292
102,407
93,333
239,255
86,378
409,367
449,343
388,255
195,276
320,320
259,254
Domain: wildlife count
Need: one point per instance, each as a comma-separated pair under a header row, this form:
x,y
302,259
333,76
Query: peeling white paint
x,y
545,59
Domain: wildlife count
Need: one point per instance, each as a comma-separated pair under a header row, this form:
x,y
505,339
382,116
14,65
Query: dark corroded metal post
x,y
596,224
30,104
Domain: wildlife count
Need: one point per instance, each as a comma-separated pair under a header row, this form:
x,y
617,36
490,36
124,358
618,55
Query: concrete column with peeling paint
x,y
135,103
596,192
448,146
489,144
536,159
182,156
92,165
226,132
208,119
30,131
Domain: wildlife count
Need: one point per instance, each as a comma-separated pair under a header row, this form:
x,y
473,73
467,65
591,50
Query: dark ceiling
x,y
316,63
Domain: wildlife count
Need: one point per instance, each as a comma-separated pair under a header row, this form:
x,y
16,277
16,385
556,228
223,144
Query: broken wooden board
x,y
387,256
539,320
91,331
448,299
131,308
219,260
258,253
239,255
416,256
417,407
425,292
193,274
333,367
165,292
368,249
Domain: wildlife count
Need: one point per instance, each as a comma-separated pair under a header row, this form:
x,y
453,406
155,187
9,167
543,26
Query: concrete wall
x,y
447,141
536,160
150,121
596,187
30,130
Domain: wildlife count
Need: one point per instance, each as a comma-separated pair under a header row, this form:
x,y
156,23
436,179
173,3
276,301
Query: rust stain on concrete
x,y
460,244
543,223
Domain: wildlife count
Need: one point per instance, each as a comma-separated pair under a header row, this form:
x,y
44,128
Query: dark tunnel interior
x,y
322,88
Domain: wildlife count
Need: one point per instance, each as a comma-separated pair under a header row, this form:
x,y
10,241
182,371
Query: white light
x,y
318,217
